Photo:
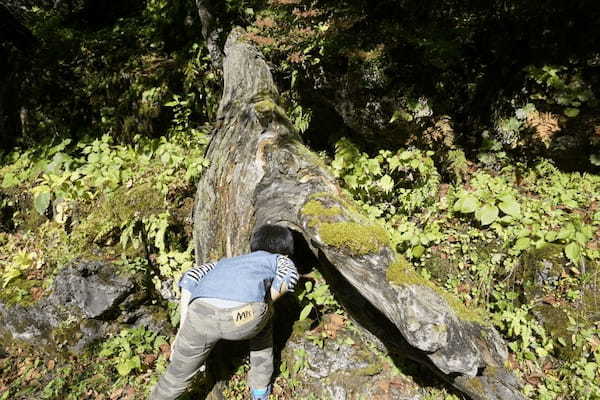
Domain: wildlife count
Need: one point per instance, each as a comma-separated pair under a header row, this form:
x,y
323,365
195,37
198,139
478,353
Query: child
x,y
232,299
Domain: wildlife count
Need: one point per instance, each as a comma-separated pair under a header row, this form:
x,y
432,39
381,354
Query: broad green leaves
x,y
510,206
522,244
305,311
41,201
124,351
389,182
573,252
127,365
466,204
386,183
487,214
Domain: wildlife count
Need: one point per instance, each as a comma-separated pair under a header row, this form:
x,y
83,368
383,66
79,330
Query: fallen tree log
x,y
260,172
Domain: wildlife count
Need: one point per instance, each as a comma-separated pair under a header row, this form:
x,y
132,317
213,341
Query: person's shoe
x,y
261,394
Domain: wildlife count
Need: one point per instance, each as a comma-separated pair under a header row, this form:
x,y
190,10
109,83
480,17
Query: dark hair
x,y
274,239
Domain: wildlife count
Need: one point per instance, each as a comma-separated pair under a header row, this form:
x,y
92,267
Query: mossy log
x,y
260,172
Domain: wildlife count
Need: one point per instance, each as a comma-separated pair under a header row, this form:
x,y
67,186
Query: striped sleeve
x,y
192,276
286,272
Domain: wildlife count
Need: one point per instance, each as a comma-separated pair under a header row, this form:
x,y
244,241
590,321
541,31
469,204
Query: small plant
x,y
389,183
492,196
317,297
126,349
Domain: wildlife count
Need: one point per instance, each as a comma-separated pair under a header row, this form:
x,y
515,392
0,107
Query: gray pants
x,y
204,326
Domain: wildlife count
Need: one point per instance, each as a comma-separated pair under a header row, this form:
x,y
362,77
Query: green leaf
x,y
11,274
522,243
373,166
405,155
510,207
305,312
551,236
338,163
418,251
595,159
573,252
468,204
394,162
386,183
125,367
41,202
351,181
401,114
571,112
488,214
9,181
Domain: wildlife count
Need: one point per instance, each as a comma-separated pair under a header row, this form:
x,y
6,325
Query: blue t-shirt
x,y
246,278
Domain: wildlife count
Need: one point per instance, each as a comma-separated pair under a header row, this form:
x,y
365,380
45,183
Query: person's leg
x,y
183,307
191,349
261,359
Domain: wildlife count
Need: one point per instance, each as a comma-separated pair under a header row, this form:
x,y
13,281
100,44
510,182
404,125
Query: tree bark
x,y
260,172
210,32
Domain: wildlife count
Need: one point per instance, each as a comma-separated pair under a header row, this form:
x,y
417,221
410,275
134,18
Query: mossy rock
x,y
541,273
299,328
112,212
540,267
335,220
401,272
440,267
19,291
359,239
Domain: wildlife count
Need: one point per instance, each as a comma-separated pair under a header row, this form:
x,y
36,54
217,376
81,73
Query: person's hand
x,y
275,294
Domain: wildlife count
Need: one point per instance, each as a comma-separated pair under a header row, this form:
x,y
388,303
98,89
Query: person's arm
x,y
189,279
193,275
286,278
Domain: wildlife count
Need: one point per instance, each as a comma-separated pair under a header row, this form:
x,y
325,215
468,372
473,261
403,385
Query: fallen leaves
x,y
165,349
332,324
125,393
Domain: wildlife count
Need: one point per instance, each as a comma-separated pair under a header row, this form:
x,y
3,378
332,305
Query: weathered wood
x,y
210,32
261,173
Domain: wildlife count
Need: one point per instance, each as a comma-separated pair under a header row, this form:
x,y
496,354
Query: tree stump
x,y
260,172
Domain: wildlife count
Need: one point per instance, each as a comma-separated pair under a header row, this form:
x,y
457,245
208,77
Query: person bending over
x,y
231,299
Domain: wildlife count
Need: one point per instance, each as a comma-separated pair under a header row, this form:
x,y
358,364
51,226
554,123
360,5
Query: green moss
x,y
267,105
18,291
343,199
358,238
401,272
113,211
462,311
370,370
67,333
475,385
300,327
310,156
318,209
536,260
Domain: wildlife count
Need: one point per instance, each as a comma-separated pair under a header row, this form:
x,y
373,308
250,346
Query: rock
x,y
92,286
541,273
84,295
344,367
153,318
